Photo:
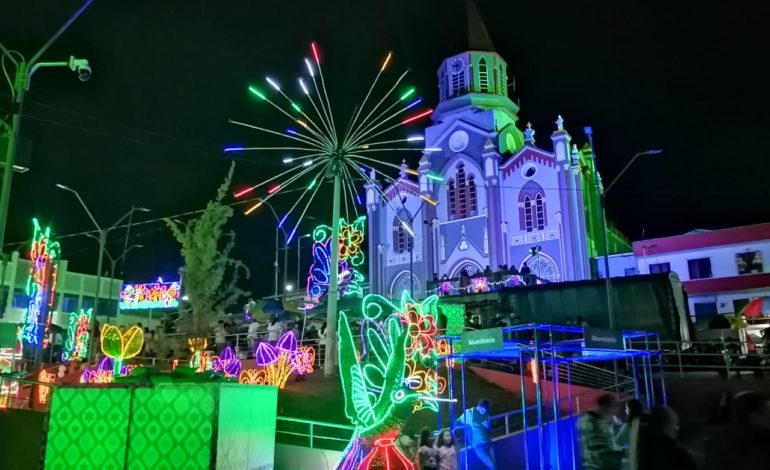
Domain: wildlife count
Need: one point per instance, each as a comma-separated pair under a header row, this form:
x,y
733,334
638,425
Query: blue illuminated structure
x,y
540,353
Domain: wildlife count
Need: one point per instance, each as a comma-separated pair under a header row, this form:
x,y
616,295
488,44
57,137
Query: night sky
x,y
148,128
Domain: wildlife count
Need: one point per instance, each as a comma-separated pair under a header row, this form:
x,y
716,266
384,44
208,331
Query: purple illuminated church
x,y
501,193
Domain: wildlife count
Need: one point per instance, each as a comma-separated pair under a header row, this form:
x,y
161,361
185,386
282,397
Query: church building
x,y
501,198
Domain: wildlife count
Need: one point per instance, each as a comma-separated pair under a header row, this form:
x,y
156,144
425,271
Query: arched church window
x,y
483,75
462,195
501,85
452,201
532,210
528,226
402,240
540,211
442,85
472,202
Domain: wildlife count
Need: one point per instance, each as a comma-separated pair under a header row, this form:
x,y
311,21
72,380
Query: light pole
x,y
102,239
113,265
23,77
126,249
278,227
602,199
299,257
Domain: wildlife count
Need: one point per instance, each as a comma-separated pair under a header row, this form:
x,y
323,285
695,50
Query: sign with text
x,y
482,340
602,338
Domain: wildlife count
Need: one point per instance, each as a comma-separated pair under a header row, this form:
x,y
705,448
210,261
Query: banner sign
x,y
482,340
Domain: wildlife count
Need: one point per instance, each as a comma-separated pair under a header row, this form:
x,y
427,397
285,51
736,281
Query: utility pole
x,y
24,71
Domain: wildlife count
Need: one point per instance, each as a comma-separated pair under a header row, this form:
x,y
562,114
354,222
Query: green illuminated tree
x,y
209,276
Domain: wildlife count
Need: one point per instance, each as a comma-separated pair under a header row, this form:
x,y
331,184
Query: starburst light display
x,y
323,152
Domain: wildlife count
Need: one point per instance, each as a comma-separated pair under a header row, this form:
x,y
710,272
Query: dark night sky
x,y
149,126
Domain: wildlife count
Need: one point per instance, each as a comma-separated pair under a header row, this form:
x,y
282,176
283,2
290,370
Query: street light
x,y
128,235
289,288
22,79
602,200
285,255
299,258
113,264
102,239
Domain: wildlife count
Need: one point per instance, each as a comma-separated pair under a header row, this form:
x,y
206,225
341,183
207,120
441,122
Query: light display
x,y
103,373
350,257
325,155
394,372
479,284
154,295
121,346
199,359
226,363
78,336
279,362
8,388
41,286
44,391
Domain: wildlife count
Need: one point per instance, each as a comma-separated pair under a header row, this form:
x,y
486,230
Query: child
x,y
447,453
427,453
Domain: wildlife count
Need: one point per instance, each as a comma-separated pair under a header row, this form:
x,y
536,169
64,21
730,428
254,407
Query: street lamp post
x,y
602,199
277,248
299,258
102,239
23,77
113,265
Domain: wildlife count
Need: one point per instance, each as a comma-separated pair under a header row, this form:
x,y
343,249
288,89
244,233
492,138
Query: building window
x,y
483,75
532,208
462,195
540,211
630,272
660,268
500,81
749,262
704,310
699,268
69,303
528,226
472,194
402,240
20,299
739,304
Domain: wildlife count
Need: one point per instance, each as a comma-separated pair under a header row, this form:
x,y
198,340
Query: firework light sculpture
x,y
326,155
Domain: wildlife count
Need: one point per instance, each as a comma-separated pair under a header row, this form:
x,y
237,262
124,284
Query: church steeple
x,y
478,37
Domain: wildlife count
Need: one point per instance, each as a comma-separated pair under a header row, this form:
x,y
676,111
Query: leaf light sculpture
x,y
121,346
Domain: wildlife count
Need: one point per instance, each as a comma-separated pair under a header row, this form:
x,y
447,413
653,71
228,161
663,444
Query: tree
x,y
206,265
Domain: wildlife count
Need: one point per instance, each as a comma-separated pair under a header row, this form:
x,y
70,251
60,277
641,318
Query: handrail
x,y
311,435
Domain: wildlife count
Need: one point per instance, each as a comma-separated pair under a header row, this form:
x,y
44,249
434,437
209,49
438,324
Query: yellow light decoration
x,y
121,346
43,391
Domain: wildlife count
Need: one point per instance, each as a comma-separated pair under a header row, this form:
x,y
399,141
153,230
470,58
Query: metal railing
x,y
726,357
312,434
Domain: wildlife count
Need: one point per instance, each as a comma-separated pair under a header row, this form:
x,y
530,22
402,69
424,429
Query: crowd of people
x,y
649,440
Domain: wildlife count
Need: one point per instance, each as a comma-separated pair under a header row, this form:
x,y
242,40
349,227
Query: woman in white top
x,y
628,435
274,330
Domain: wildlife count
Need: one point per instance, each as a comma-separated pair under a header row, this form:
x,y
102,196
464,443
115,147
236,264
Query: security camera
x,y
81,67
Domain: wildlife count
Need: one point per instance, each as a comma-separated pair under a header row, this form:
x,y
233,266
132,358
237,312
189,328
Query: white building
x,y
73,292
721,270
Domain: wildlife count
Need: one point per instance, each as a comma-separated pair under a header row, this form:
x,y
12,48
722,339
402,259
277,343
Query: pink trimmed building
x,y
721,270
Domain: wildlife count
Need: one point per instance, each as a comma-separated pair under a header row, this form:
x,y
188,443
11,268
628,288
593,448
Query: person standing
x,y
405,443
477,432
427,454
251,334
658,447
597,441
274,330
447,452
628,435
219,336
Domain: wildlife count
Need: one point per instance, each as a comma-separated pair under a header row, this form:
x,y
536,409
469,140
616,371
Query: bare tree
x,y
209,275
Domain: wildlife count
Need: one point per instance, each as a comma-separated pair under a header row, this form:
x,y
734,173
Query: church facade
x,y
485,194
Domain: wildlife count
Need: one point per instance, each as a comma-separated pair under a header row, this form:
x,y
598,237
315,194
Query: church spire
x,y
478,37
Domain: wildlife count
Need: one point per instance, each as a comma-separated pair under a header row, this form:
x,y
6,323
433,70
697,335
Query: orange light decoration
x,y
44,391
387,60
534,369
422,330
200,359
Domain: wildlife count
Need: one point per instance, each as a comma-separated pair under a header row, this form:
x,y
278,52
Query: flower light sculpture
x,y
226,363
278,362
200,358
121,346
103,373
351,256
